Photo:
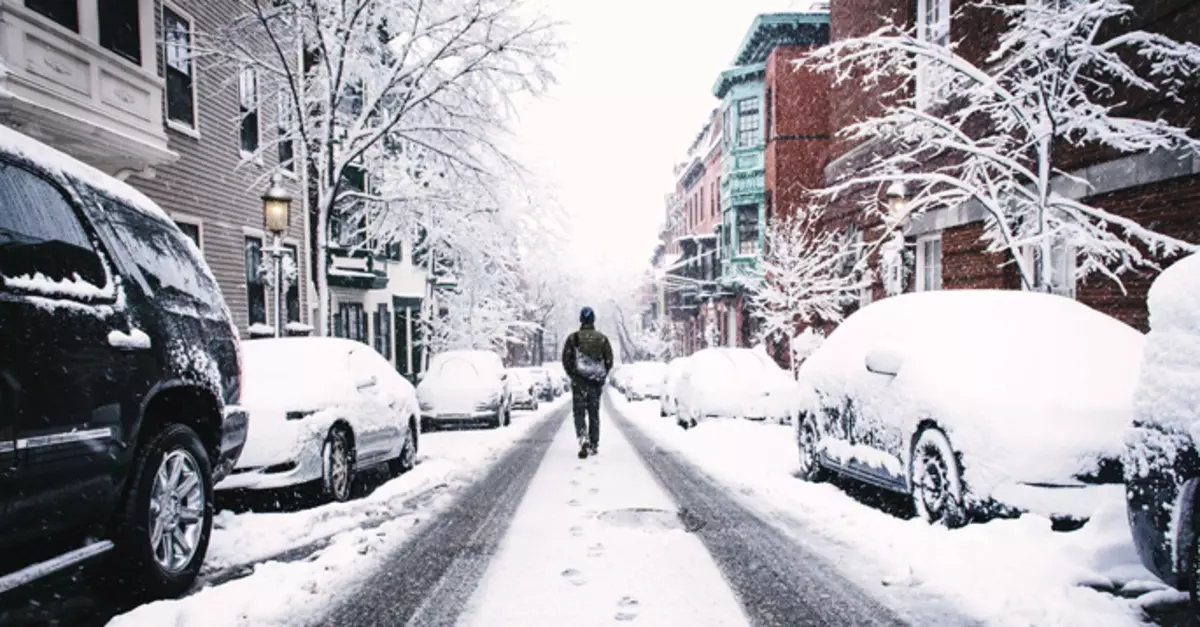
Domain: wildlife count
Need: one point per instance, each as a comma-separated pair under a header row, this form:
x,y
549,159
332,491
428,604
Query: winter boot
x,y
583,448
594,450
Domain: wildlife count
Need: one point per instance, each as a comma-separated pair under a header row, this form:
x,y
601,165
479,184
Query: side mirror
x,y
884,360
420,376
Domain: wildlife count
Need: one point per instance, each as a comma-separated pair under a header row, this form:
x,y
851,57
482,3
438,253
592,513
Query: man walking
x,y
587,358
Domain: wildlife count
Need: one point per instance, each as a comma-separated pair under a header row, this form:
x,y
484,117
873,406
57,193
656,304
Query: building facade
x,y
945,248
120,90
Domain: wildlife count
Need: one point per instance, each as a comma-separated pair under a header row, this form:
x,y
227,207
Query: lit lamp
x,y
276,203
896,199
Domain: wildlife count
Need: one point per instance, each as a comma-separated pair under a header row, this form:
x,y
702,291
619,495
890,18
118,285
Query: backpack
x,y
587,367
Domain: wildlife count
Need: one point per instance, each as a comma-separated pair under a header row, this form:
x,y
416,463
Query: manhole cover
x,y
647,519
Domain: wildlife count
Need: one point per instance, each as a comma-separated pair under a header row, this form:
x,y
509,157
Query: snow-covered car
x,y
974,402
644,380
548,388
465,386
321,410
675,371
526,388
558,375
1162,463
734,383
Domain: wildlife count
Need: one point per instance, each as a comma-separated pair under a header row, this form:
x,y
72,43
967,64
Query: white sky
x,y
634,89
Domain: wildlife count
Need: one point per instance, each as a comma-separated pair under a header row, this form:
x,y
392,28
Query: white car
x,y
322,409
558,375
675,370
465,386
526,388
644,380
975,402
734,383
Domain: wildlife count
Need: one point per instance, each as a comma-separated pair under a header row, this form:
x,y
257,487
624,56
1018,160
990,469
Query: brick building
x,y
1158,191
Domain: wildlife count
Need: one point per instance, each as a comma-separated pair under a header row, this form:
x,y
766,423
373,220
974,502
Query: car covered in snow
x,y
1162,462
727,382
974,402
675,370
643,380
119,381
465,386
558,375
322,409
526,385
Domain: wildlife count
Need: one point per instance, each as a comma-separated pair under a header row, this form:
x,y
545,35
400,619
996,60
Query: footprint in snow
x,y
594,491
574,576
574,482
627,609
596,550
574,503
577,531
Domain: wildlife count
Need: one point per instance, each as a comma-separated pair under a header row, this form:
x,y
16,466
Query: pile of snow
x,y
1004,572
360,535
735,382
1029,387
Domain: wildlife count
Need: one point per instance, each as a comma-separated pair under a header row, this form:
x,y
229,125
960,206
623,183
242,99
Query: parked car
x,y
548,388
675,371
974,402
120,380
644,380
322,409
558,375
526,388
465,386
1162,465
734,383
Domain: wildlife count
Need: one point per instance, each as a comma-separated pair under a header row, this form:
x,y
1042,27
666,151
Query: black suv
x,y
119,380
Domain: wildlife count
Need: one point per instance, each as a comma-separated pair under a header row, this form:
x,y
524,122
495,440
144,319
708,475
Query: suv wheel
x,y
936,480
408,455
806,441
165,524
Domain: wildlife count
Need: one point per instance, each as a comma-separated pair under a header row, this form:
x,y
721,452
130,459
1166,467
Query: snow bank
x,y
1004,572
361,534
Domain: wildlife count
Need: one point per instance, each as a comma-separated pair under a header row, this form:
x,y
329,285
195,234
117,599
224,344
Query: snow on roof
x,y
61,163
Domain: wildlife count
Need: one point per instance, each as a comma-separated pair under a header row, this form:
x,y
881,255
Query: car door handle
x,y
136,339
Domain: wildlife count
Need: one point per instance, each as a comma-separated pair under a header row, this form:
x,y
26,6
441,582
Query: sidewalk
x,y
572,558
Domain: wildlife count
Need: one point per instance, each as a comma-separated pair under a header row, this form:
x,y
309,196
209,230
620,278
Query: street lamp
x,y
276,202
897,200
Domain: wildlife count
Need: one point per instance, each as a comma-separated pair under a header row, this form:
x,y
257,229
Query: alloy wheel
x,y
176,511
337,465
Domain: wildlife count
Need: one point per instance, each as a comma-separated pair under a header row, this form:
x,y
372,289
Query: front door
x,y
64,363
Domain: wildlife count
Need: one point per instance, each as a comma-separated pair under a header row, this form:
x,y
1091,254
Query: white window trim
x,y
294,173
175,125
923,71
1071,269
194,221
922,242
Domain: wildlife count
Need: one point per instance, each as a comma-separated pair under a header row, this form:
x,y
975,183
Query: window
x,y
64,12
120,30
1062,277
933,26
248,109
284,125
351,322
191,230
291,297
181,89
383,331
40,233
747,226
348,224
748,123
256,289
929,263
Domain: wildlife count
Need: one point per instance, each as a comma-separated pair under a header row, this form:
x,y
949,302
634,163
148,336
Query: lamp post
x,y
897,199
276,202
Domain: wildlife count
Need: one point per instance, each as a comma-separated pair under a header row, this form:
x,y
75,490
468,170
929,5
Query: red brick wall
x,y
966,264
798,145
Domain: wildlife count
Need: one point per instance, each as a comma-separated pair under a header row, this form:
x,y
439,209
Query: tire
x,y
507,415
171,488
806,444
408,454
337,466
495,422
935,480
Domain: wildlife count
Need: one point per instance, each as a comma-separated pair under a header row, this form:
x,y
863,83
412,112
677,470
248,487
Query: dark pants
x,y
585,401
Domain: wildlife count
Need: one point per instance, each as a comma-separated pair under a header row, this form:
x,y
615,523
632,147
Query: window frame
x,y
743,116
78,21
1069,258
294,250
923,243
137,15
285,111
941,12
255,281
181,218
255,153
178,125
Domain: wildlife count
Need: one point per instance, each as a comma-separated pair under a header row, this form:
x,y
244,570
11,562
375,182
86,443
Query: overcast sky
x,y
634,89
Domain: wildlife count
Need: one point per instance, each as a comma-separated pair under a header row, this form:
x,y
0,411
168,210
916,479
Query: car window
x,y
40,234
169,261
458,368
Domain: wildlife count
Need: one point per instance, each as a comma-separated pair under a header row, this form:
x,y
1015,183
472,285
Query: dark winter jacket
x,y
591,343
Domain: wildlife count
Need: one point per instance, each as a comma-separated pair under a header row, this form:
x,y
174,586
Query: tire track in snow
x,y
778,582
432,576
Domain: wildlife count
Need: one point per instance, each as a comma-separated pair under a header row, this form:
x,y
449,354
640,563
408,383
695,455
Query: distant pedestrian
x,y
587,358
